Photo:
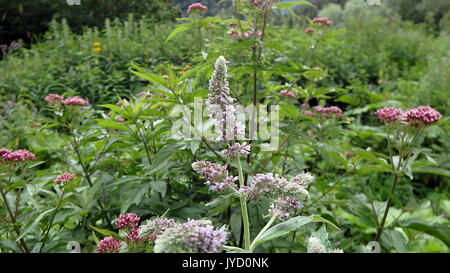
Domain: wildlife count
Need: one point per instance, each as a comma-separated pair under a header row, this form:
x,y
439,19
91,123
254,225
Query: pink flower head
x,y
53,99
389,114
197,7
305,105
327,112
129,220
322,22
18,156
309,113
120,119
109,245
349,154
64,178
422,115
75,101
286,93
309,30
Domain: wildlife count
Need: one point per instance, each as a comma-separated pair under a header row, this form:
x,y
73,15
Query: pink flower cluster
x,y
309,30
243,35
197,7
322,22
286,93
16,156
120,119
422,115
325,112
53,99
129,222
122,101
75,101
109,245
389,114
64,178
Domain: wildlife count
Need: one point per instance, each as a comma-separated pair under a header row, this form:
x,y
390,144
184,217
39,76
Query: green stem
x,y
244,209
265,228
386,210
13,221
47,230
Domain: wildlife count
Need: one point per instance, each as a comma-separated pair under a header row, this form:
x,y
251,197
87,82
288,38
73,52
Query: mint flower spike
x,y
220,104
194,236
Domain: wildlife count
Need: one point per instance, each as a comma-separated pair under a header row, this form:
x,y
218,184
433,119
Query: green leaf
x,y
437,230
432,170
34,224
284,5
290,225
178,30
105,232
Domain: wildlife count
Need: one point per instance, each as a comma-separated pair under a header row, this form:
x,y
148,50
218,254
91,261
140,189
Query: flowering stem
x,y
244,209
386,210
47,230
394,184
13,221
265,228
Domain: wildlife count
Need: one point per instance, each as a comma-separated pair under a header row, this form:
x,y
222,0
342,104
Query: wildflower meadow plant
x,y
404,134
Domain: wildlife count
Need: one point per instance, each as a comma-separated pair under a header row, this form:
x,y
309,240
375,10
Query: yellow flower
x,y
187,67
96,44
182,72
98,49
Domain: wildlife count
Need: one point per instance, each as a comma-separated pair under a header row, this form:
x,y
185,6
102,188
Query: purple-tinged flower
x,y
75,101
221,104
153,228
109,245
389,114
194,236
120,119
64,178
422,115
236,150
286,93
144,94
216,175
18,156
282,207
4,152
274,186
197,7
302,179
53,99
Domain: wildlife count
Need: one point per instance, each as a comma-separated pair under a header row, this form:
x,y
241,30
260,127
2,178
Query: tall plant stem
x,y
21,243
265,228
87,175
394,184
49,226
141,136
386,210
244,209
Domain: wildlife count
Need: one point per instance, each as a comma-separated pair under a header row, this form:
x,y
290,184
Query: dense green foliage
x,y
367,60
